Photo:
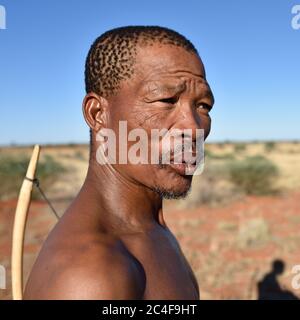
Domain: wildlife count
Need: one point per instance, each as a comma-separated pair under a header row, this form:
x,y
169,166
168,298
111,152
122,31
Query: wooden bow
x,y
20,224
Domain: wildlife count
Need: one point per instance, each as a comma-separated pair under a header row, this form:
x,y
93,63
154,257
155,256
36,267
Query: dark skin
x,y
113,241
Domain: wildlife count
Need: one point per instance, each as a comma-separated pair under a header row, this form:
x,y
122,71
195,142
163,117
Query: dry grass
x,y
212,187
230,239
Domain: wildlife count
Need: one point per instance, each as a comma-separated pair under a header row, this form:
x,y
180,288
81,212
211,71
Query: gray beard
x,y
169,194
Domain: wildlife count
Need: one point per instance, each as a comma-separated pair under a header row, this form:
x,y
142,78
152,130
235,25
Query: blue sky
x,y
250,51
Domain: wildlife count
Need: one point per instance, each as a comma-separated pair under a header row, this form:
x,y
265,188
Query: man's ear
x,y
94,109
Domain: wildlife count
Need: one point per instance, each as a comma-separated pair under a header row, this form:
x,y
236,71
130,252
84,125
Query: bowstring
x,y
36,182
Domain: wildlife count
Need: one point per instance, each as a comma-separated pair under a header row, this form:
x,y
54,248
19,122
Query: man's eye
x,y
170,100
204,106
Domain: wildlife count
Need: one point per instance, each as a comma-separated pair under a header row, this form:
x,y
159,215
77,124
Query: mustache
x,y
186,152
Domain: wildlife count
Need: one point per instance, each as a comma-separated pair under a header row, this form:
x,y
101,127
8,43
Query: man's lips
x,y
187,158
184,163
183,168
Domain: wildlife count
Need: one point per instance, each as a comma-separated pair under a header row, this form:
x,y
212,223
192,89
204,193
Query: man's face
x,y
167,91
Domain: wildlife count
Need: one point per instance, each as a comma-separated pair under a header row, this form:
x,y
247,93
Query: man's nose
x,y
188,118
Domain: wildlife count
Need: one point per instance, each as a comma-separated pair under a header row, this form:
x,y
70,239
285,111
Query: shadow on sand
x,y
270,289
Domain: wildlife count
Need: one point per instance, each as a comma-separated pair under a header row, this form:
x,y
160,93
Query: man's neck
x,y
118,204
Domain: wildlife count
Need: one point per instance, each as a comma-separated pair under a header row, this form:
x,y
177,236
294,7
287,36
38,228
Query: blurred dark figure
x,y
270,289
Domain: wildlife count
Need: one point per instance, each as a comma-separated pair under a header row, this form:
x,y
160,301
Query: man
x,y
113,242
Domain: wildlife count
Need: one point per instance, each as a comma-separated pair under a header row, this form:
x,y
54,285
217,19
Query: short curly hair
x,y
111,57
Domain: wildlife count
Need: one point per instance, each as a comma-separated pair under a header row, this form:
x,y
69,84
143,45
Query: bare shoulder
x,y
91,270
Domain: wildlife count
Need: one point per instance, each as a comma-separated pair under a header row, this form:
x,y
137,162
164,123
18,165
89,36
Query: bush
x,y
222,156
79,155
270,146
239,147
13,171
254,175
211,188
253,233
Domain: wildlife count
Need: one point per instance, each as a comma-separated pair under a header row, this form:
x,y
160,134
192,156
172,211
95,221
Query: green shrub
x,y
253,233
13,171
270,146
222,156
221,145
211,188
239,147
79,155
254,175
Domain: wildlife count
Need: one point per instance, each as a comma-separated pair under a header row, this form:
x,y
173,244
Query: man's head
x,y
153,78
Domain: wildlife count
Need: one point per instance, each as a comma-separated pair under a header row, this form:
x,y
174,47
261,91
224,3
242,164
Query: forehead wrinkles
x,y
189,84
164,86
194,85
145,72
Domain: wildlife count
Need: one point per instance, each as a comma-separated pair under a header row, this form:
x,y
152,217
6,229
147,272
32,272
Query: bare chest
x,y
168,273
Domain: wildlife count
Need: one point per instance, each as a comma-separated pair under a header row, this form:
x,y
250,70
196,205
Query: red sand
x,y
227,255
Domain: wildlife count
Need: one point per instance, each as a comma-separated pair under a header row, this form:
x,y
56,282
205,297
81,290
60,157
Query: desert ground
x,y
239,227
